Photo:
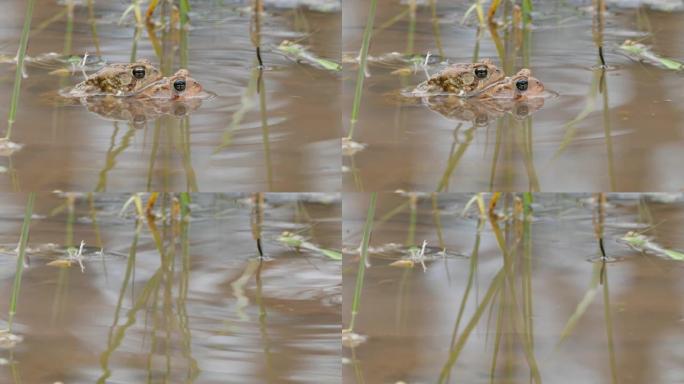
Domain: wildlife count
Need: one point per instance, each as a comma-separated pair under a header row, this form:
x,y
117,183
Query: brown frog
x,y
180,86
462,79
522,86
117,80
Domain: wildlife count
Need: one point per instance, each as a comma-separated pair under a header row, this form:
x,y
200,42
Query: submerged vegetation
x,y
515,276
154,121
153,254
521,151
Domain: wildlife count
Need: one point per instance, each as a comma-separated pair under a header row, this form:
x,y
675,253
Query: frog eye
x,y
522,84
139,72
481,72
179,85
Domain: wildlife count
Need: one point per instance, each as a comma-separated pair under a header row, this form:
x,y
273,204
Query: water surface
x,y
624,139
286,141
174,302
629,331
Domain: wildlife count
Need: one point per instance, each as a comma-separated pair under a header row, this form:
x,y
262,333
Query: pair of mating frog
x,y
138,92
480,91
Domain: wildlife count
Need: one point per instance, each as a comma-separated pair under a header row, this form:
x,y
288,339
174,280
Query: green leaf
x,y
641,51
299,52
332,254
674,254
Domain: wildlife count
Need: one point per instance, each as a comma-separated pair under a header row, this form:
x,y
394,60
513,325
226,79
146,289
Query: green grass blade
x,y
23,44
367,229
23,240
360,76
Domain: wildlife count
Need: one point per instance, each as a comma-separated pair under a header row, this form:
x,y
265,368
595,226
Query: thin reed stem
x,y
23,240
367,229
21,54
360,76
93,27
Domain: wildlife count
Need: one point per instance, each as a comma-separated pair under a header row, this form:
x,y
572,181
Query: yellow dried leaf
x,y
60,263
403,264
403,71
60,72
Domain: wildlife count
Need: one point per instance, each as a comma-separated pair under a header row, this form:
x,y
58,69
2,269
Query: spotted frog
x,y
462,79
117,80
180,86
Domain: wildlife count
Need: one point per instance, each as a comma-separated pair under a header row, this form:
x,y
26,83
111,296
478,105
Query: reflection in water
x,y
178,292
139,111
569,145
532,301
481,112
289,146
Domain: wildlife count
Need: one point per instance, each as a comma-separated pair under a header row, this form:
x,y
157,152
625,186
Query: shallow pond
x,y
616,130
287,140
553,313
173,302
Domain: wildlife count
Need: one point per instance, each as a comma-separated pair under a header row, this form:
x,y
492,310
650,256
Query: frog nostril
x,y
522,84
481,72
139,72
179,85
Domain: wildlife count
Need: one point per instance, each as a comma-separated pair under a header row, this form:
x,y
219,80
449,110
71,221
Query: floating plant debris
x,y
300,53
297,241
639,51
645,244
9,340
351,339
72,256
350,147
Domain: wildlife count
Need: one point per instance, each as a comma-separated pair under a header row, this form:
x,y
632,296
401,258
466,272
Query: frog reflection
x,y
139,111
481,111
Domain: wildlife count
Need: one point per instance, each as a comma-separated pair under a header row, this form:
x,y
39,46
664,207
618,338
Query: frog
x,y
462,79
180,86
521,86
117,79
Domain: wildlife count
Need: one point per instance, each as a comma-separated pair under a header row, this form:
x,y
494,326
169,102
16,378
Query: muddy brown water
x,y
295,147
629,143
409,315
204,311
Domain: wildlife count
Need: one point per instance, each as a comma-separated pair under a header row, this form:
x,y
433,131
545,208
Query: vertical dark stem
x,y
257,219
